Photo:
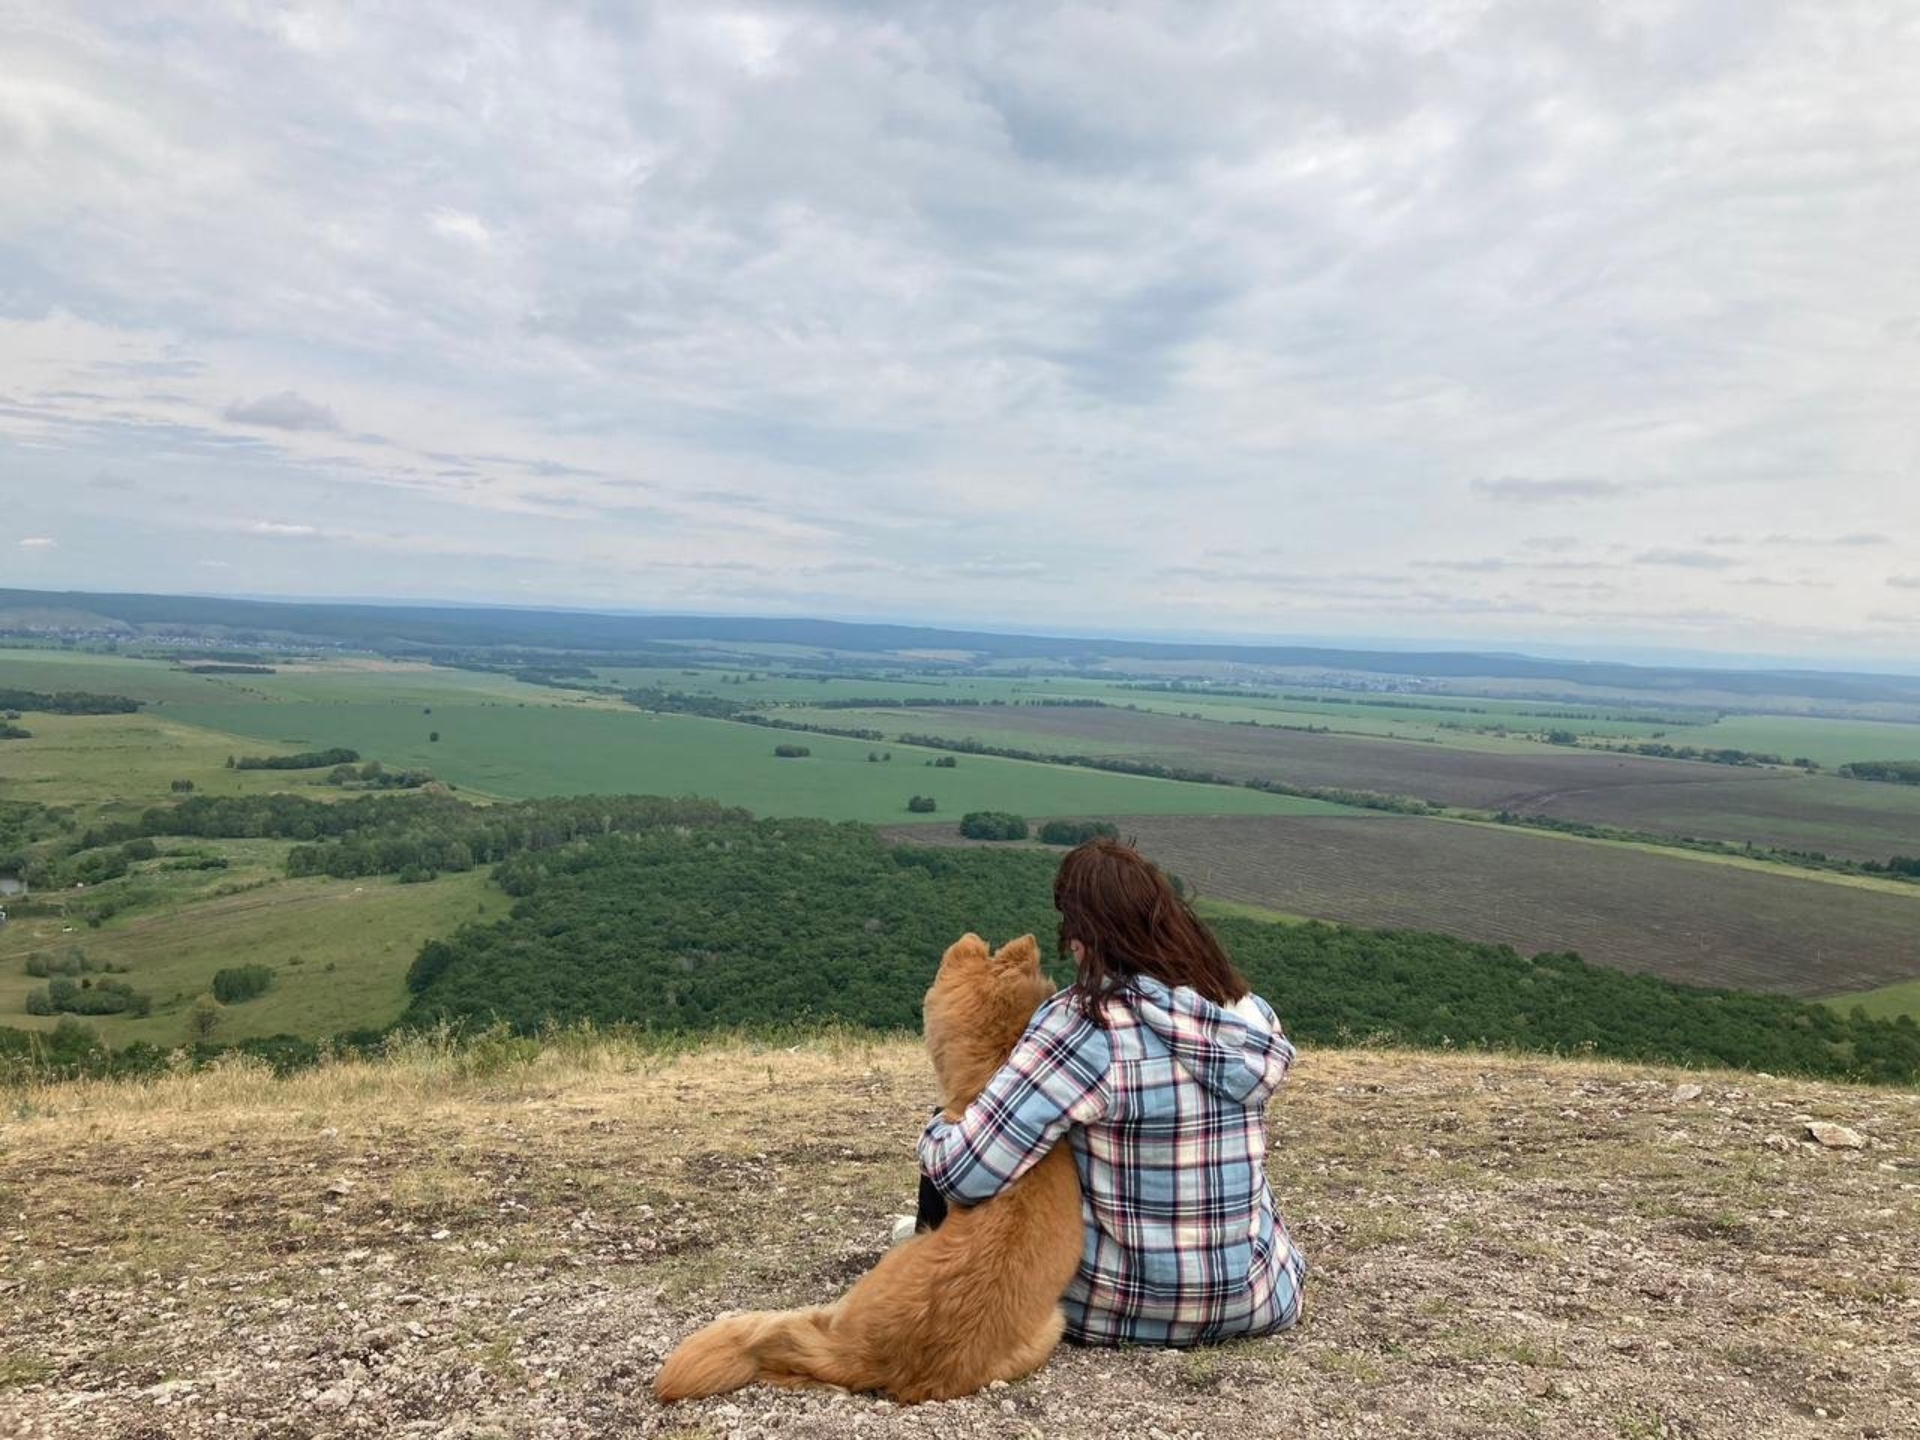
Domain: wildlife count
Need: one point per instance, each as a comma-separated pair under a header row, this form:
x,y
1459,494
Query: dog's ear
x,y
1021,954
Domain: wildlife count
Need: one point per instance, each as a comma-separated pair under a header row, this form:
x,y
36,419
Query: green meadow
x,y
560,748
339,950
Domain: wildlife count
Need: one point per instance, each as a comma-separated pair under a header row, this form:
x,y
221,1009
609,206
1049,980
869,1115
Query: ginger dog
x,y
950,1311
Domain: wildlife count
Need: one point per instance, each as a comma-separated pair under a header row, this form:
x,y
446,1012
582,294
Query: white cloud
x,y
36,542
1081,290
459,225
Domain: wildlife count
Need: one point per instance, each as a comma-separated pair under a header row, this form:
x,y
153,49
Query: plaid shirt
x,y
1165,1111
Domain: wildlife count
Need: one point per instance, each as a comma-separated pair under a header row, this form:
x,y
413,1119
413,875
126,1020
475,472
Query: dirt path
x,y
1500,1247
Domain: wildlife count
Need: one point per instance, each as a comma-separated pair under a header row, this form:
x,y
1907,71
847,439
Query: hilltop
x,y
504,1240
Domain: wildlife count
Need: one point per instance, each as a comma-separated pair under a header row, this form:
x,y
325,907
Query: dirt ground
x,y
503,1246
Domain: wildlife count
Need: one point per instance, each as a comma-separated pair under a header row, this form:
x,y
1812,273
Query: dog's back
x,y
951,1311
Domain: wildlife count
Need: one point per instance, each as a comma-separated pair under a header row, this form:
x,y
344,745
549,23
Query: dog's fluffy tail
x,y
774,1347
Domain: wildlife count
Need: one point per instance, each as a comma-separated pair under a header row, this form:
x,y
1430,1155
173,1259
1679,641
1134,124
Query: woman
x,y
1156,1065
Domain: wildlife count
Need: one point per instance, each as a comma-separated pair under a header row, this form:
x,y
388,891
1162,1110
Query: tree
x,y
204,1018
241,982
181,787
993,825
922,805
433,737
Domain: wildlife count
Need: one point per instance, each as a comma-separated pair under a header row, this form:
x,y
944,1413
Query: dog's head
x,y
980,1003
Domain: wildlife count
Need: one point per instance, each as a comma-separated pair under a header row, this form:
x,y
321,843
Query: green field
x,y
160,683
124,763
49,670
339,950
1887,1003
1830,742
565,749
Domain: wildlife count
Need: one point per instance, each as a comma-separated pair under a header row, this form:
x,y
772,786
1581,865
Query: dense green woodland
x,y
768,922
685,915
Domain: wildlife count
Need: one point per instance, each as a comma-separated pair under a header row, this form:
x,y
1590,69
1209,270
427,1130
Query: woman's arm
x,y
1056,1077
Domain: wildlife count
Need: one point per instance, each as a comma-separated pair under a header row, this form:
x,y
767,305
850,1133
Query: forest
x,y
737,922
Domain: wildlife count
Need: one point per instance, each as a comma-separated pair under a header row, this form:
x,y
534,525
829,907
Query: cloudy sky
x,y
1514,322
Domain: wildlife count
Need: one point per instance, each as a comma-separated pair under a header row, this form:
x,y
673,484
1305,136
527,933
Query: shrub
x,y
1077,832
791,752
204,1018
239,983
181,787
922,805
993,825
305,760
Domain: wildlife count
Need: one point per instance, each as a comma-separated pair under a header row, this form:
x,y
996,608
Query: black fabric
x,y
932,1210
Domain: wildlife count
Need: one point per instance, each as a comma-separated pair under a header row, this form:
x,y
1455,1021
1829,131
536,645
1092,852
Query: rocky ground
x,y
507,1246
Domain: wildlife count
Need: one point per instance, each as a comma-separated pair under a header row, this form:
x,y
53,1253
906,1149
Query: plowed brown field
x,y
1761,805
1698,921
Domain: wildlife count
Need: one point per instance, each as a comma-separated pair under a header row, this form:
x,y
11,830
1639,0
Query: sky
x,y
1529,322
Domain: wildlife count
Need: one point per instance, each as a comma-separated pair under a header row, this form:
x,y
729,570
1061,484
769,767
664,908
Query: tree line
x,y
67,702
304,760
1895,772
763,922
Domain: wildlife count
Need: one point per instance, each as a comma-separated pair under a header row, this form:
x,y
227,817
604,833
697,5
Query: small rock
x,y
1836,1137
1684,1093
335,1397
342,1186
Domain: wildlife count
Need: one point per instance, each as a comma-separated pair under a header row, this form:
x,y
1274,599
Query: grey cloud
x,y
995,568
1904,582
150,369
1520,490
1854,540
283,411
1685,559
1486,565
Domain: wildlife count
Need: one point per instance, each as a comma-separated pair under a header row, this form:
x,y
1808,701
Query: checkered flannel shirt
x,y
1165,1113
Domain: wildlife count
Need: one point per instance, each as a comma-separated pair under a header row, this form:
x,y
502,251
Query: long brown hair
x,y
1130,921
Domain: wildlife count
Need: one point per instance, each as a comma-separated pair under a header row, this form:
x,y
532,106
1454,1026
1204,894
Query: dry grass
x,y
505,1239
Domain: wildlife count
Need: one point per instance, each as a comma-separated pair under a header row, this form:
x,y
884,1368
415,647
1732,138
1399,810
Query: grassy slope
x,y
120,764
563,748
1499,1247
339,949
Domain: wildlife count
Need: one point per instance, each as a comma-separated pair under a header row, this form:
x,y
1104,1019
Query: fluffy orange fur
x,y
948,1312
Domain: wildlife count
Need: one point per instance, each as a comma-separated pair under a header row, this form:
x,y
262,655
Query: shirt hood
x,y
1237,1057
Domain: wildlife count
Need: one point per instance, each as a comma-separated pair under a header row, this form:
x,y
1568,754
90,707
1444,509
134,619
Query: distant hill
x,y
425,627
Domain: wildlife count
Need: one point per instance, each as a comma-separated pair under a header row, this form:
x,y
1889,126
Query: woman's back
x,y
1166,1102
